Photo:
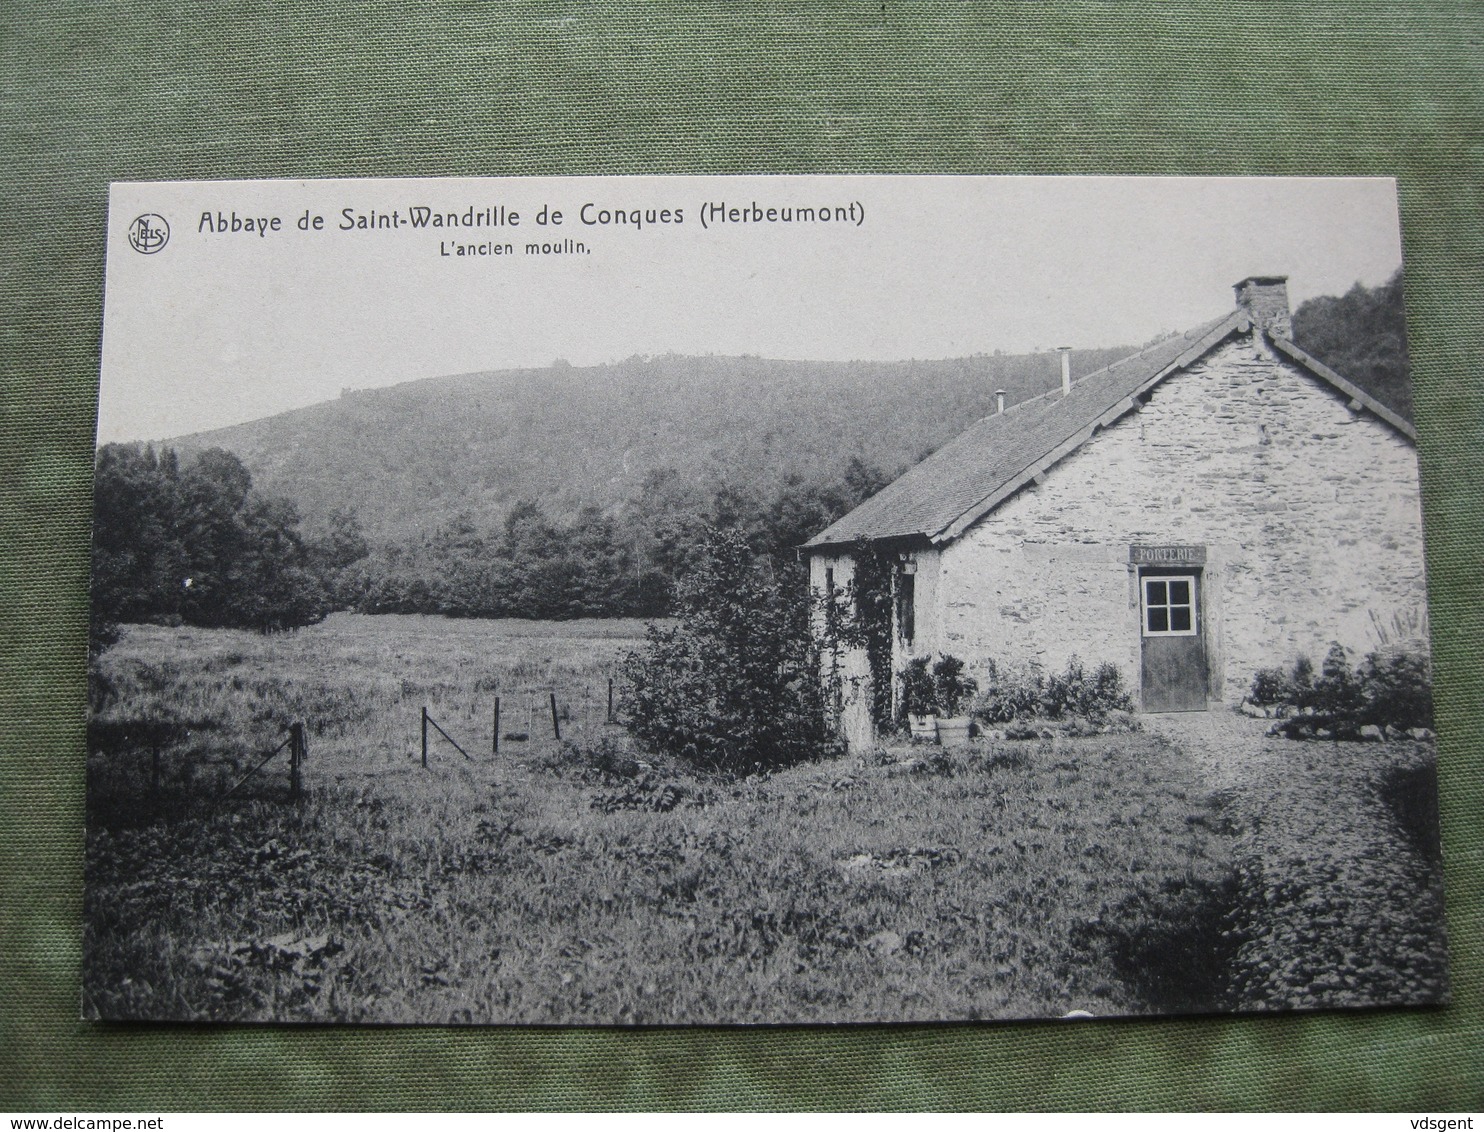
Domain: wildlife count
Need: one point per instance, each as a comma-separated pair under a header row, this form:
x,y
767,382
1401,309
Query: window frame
x,y
1194,605
906,605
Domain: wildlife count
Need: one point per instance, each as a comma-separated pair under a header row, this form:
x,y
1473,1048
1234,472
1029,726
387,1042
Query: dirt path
x,y
1226,747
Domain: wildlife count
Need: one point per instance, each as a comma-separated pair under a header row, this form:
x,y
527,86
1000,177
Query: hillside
x,y
1363,335
408,456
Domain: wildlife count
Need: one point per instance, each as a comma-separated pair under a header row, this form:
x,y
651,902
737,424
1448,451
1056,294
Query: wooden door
x,y
1174,676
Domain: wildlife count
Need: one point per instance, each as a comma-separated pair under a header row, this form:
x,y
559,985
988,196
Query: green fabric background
x,y
97,91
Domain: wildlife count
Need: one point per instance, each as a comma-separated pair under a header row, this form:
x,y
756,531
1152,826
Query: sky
x,y
217,327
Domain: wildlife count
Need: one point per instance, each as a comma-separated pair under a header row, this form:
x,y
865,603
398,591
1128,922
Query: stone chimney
x,y
1265,299
1066,369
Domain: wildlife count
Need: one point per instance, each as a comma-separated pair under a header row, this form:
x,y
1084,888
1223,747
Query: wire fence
x,y
520,718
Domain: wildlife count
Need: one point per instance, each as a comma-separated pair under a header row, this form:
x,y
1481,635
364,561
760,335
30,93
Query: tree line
x,y
1362,334
193,542
620,563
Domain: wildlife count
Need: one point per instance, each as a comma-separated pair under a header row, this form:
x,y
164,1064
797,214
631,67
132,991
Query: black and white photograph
x,y
757,600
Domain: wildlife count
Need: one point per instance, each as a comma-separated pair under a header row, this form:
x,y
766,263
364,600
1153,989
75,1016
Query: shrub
x,y
1337,692
1390,688
1272,687
1009,695
919,692
1013,695
1302,680
1269,687
951,687
1074,692
736,684
1396,689
1397,684
1107,693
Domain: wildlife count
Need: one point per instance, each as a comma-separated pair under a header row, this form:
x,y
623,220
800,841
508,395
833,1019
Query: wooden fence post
x,y
497,725
296,760
556,728
610,700
425,735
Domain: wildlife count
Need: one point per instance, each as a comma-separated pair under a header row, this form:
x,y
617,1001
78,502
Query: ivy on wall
x,y
871,600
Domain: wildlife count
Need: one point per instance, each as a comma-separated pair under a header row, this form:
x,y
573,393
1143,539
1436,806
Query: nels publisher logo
x,y
149,233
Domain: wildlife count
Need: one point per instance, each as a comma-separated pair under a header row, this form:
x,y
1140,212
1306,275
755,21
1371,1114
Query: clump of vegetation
x,y
1391,689
871,600
195,544
1272,686
601,562
941,689
919,693
736,685
1023,701
952,689
1363,334
605,761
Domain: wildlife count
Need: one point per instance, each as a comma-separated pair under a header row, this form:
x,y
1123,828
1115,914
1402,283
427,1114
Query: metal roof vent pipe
x,y
1066,369
999,401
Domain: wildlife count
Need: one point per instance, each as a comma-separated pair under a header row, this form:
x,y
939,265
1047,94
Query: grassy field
x,y
589,882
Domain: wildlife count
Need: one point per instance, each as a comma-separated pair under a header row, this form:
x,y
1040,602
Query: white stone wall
x,y
1309,513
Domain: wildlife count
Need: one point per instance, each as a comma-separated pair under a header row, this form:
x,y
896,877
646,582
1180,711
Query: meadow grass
x,y
359,684
590,882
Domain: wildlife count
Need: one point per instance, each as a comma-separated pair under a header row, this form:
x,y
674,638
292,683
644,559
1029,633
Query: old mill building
x,y
1216,503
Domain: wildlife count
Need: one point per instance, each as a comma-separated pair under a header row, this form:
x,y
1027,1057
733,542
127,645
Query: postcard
x,y
757,600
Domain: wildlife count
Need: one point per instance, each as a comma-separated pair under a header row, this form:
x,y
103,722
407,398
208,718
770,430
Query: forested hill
x,y
1362,335
561,492
407,457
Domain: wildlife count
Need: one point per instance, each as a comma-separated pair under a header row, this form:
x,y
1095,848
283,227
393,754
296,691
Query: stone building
x,y
1216,503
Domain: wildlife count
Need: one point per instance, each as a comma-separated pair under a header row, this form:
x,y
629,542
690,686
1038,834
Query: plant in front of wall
x,y
1269,688
1397,684
1023,703
1091,695
952,691
919,692
920,698
1338,691
1387,696
870,599
1009,694
1406,627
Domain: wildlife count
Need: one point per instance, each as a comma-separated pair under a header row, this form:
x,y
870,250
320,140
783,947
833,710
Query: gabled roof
x,y
998,455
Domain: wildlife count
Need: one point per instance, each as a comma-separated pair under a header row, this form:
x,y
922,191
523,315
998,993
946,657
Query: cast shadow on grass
x,y
145,771
1410,792
1176,948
